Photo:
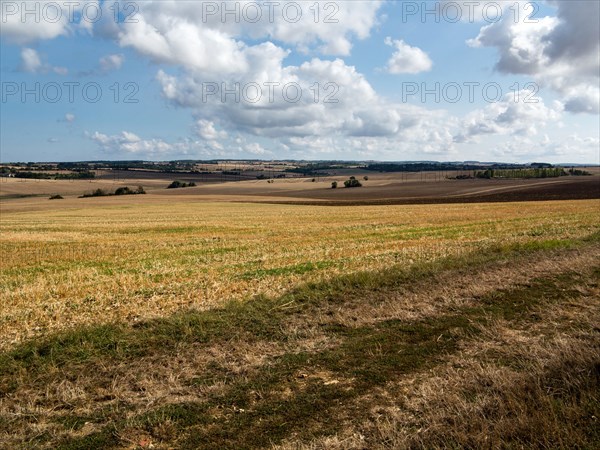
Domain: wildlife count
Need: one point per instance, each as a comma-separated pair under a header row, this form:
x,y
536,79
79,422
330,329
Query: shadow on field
x,y
321,376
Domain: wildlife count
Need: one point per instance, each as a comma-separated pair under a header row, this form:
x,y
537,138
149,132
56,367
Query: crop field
x,y
314,225
187,324
74,267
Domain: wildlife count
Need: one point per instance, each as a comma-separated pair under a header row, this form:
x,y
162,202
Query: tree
x,y
352,182
334,185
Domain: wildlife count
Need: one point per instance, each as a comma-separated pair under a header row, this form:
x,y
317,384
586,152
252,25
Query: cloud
x,y
346,109
206,130
336,100
109,63
29,21
106,64
558,52
22,28
256,149
129,143
343,107
407,59
347,106
583,99
509,117
567,149
188,34
32,63
69,118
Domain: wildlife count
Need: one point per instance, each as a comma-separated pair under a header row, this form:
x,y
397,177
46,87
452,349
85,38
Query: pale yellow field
x,y
125,261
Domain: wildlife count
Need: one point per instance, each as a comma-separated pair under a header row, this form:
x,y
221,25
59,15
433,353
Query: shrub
x,y
180,184
334,185
175,185
313,180
56,197
124,191
96,193
366,178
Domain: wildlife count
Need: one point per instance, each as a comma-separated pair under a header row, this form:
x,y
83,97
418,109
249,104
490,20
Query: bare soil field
x,y
387,190
398,188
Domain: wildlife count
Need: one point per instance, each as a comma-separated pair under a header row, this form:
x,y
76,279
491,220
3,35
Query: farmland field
x,y
310,225
381,188
79,266
179,322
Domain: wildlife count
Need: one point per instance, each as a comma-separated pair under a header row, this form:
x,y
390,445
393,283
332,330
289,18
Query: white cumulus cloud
x,y
31,62
558,52
407,59
109,63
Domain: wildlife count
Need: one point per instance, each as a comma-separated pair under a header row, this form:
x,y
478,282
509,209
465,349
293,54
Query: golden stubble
x,y
129,262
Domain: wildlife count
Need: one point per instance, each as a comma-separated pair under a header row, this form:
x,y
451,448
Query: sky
x,y
332,80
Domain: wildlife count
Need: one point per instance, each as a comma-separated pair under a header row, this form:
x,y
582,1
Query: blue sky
x,y
153,69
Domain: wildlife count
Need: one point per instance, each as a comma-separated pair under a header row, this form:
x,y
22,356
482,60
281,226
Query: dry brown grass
x,y
471,397
129,262
446,292
477,381
525,384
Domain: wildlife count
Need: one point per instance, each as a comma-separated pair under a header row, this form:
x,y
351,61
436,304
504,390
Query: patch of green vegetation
x,y
103,439
297,269
74,422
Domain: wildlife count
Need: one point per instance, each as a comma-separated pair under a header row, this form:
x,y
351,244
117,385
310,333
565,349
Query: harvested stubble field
x,y
224,325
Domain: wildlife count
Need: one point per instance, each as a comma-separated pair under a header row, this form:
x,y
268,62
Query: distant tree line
x,y
120,191
168,166
414,167
578,172
307,171
262,176
552,172
52,176
180,184
432,167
